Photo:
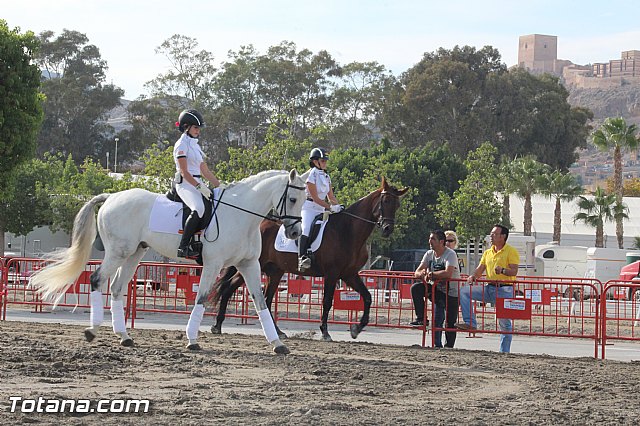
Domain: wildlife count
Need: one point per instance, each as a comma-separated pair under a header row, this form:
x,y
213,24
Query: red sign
x,y
405,291
347,300
299,286
513,308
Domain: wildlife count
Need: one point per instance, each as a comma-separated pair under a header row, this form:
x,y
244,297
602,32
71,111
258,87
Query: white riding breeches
x,y
309,211
191,197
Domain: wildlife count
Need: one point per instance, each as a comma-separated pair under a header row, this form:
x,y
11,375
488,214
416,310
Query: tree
x,y
20,109
617,135
77,98
525,173
26,203
356,102
506,186
442,96
20,100
473,208
466,96
630,187
74,187
281,151
561,187
601,208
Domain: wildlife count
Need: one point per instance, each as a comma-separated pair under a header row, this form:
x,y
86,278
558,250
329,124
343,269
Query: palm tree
x,y
561,187
506,186
615,133
601,208
525,172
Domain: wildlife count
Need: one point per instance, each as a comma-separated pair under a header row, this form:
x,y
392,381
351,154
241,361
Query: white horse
x,y
123,225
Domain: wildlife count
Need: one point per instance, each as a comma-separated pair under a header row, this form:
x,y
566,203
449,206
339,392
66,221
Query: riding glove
x,y
336,208
204,190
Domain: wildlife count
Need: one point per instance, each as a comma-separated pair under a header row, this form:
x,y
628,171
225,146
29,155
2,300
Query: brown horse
x,y
340,256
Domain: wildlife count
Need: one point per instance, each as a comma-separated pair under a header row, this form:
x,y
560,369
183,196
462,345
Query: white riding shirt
x,y
310,209
187,147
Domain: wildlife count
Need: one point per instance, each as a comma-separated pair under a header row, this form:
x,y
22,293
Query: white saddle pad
x,y
166,215
286,245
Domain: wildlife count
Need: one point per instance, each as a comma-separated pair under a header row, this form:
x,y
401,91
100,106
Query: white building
x,y
574,234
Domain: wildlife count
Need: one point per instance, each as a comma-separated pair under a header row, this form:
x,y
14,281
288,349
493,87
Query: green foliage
x,y
282,151
596,211
77,98
27,203
559,186
466,96
473,208
617,135
20,102
75,187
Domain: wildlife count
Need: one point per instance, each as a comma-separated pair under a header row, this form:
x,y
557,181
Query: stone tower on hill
x,y
538,54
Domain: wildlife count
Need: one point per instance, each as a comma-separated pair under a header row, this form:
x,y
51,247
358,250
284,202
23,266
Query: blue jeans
x,y
445,306
486,293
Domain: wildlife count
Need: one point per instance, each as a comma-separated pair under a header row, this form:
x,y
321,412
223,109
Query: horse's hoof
x,y
216,329
127,342
89,335
355,330
194,347
327,338
281,350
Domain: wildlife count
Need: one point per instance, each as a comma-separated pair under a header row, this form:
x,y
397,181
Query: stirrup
x,y
304,263
187,253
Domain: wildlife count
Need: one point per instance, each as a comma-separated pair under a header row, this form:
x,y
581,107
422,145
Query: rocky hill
x,y
609,102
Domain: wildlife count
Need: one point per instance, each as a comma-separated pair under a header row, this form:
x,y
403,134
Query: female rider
x,y
190,167
318,189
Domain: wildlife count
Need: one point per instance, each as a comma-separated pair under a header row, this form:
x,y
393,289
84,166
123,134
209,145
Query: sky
x,y
395,33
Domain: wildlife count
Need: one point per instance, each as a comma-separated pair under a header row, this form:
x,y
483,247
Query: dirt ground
x,y
236,379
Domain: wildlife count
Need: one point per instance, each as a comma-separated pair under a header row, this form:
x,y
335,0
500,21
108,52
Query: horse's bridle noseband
x,y
282,208
381,219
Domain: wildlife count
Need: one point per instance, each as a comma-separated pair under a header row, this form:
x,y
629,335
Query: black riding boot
x,y
190,228
304,261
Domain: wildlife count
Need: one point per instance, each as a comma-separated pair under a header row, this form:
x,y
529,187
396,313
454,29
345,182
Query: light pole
x,y
107,161
115,160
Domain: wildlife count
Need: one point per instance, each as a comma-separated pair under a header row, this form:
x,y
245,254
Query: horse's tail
x,y
66,265
222,283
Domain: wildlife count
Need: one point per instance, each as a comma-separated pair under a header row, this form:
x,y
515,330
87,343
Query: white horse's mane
x,y
253,178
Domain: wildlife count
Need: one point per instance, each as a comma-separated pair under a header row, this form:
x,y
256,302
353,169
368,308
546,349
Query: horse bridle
x,y
381,219
282,207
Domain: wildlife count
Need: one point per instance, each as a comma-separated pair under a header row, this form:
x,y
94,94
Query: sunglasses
x,y
450,241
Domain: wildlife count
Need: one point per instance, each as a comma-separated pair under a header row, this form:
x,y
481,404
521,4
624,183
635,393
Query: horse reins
x,y
282,206
381,217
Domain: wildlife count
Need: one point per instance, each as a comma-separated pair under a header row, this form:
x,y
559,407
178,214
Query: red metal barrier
x,y
18,292
539,308
3,289
620,312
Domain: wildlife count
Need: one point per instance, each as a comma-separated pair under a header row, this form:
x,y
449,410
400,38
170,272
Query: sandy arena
x,y
237,380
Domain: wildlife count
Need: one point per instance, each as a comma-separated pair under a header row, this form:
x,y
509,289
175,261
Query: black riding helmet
x,y
189,117
317,154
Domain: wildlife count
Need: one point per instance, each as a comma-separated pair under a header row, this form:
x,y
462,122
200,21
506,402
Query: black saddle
x,y
315,229
196,242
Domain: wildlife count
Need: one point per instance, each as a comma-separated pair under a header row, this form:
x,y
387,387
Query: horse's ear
x,y
292,175
401,192
384,185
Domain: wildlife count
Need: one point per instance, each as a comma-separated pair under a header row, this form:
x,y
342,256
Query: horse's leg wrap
x,y
97,310
268,327
195,319
117,319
